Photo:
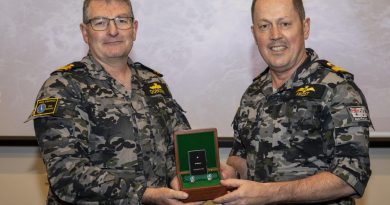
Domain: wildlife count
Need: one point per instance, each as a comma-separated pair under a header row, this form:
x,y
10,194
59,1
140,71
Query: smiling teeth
x,y
278,48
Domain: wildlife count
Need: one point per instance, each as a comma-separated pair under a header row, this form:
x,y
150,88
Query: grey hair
x,y
87,2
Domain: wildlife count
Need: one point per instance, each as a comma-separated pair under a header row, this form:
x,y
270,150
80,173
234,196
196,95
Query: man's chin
x,y
116,55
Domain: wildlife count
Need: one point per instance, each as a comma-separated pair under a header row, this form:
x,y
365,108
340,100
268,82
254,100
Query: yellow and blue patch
x,y
45,107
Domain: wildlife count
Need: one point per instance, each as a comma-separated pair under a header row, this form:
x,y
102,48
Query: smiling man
x,y
104,124
301,131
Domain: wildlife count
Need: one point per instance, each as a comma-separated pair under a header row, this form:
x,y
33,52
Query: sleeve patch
x,y
45,107
358,113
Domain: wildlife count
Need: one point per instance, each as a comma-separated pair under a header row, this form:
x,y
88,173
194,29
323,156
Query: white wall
x,y
23,179
204,48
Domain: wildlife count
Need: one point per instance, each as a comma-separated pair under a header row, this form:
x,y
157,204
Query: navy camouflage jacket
x,y
317,121
101,143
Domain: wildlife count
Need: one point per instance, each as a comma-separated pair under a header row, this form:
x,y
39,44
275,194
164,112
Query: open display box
x,y
197,164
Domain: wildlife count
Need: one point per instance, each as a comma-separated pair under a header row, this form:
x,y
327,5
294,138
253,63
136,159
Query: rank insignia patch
x,y
72,66
156,88
45,107
313,91
358,113
66,68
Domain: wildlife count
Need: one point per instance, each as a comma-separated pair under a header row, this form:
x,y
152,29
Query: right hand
x,y
166,196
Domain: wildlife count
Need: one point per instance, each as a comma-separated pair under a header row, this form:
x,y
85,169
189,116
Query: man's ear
x,y
84,32
306,28
135,29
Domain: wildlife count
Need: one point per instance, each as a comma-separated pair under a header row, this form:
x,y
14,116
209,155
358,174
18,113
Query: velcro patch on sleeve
x,y
45,107
358,113
156,88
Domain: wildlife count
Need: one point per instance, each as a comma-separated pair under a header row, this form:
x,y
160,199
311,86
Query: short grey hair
x,y
87,2
298,5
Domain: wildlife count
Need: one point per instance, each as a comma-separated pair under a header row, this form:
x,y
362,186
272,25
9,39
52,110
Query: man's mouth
x,y
112,42
278,48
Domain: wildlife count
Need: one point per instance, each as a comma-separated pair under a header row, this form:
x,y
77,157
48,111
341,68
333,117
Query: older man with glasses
x,y
104,124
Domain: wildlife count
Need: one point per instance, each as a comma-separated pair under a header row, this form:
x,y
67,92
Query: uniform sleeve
x,y
63,140
178,122
350,118
238,148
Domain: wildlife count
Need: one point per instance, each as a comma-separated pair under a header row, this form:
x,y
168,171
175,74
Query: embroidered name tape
x,y
45,107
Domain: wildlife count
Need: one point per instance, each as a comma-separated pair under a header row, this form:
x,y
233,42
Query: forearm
x,y
152,195
78,182
324,186
72,176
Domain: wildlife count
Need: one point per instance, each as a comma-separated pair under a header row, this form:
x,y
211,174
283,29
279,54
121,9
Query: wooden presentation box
x,y
197,164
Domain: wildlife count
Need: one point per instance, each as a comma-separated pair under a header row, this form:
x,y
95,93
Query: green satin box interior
x,y
197,158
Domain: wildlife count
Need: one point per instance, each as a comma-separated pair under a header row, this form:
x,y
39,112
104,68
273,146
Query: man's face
x,y
111,43
280,34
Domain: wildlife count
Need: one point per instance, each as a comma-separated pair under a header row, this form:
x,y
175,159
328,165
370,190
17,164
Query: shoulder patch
x,y
45,107
70,67
138,65
358,113
315,91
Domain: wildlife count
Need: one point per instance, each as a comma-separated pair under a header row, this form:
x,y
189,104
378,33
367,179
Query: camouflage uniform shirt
x,y
101,143
317,121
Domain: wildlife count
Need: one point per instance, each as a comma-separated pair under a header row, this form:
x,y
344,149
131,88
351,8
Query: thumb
x,y
178,194
175,183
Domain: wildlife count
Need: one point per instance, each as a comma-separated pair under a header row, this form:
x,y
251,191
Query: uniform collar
x,y
299,77
96,69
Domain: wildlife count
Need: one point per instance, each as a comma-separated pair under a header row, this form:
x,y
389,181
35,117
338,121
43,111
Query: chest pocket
x,y
304,108
304,115
304,118
153,127
112,139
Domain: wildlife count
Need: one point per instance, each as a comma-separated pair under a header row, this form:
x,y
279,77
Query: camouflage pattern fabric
x,y
101,143
317,121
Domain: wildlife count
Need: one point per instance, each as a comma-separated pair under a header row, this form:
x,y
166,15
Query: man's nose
x,y
112,28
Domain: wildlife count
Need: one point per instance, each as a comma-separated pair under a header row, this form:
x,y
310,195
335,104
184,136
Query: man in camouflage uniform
x,y
104,125
302,128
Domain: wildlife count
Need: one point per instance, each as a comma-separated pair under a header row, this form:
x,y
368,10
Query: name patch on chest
x,y
156,88
313,91
45,107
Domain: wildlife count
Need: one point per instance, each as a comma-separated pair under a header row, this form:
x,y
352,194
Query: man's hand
x,y
175,183
320,187
163,196
228,172
247,192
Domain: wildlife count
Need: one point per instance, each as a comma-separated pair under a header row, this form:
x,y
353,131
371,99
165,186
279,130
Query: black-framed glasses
x,y
101,23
